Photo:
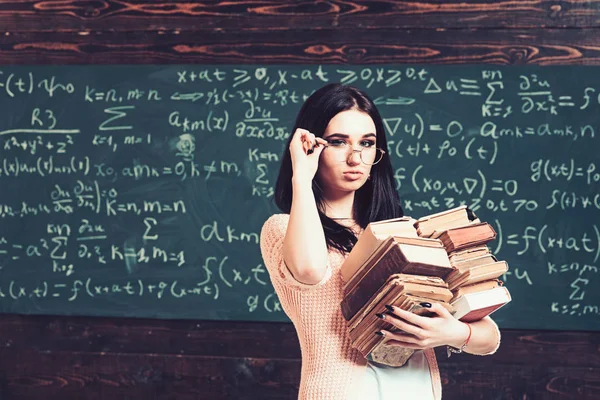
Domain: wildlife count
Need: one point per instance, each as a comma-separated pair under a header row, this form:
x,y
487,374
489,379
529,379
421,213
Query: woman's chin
x,y
353,185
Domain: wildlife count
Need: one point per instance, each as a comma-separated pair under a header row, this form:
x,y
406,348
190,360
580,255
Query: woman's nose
x,y
354,157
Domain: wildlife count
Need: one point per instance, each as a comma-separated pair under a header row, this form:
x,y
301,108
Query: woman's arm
x,y
304,246
485,337
419,332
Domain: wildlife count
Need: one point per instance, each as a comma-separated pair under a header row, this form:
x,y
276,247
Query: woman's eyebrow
x,y
344,136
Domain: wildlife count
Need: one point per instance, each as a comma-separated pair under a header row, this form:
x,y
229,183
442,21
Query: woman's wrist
x,y
464,337
299,181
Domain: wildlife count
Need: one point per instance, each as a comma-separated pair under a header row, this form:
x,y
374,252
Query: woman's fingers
x,y
321,141
405,342
311,142
410,317
412,329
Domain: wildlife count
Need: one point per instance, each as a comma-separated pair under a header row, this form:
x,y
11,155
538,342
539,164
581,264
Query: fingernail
x,y
380,315
379,333
424,304
390,308
309,151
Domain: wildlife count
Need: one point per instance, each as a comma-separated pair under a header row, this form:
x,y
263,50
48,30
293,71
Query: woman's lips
x,y
353,175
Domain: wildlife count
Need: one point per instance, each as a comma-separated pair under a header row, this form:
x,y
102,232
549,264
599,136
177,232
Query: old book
x,y
476,274
383,248
374,346
428,225
475,306
468,253
362,333
473,262
397,285
476,287
371,238
389,354
467,236
399,258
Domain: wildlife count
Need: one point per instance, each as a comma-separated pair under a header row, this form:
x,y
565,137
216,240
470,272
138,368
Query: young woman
x,y
336,178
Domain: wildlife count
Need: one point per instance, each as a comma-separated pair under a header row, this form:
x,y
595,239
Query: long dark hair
x,y
377,199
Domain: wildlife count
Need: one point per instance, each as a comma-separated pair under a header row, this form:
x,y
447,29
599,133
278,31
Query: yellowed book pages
x,y
475,306
473,262
480,274
364,338
468,253
409,303
403,284
476,287
441,221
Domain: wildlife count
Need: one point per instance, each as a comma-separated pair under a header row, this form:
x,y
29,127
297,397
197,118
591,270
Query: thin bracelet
x,y
451,349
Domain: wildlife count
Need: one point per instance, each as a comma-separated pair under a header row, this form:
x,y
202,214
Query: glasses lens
x,y
371,156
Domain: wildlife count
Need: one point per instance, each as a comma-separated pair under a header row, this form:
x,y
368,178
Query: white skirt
x,y
412,381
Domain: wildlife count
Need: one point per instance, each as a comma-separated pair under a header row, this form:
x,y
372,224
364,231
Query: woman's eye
x,y
336,142
367,143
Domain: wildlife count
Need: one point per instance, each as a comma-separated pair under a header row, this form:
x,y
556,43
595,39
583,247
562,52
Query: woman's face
x,y
341,170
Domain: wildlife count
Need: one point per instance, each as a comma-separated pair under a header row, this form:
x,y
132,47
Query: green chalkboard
x,y
140,191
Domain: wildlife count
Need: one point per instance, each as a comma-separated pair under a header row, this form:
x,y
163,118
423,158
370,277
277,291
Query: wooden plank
x,y
180,16
530,380
134,335
542,47
256,340
27,374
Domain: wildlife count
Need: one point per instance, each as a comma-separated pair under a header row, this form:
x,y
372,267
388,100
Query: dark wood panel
x,y
95,15
255,339
132,335
543,47
532,380
28,374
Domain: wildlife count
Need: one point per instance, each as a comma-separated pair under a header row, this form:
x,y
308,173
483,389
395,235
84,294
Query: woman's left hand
x,y
420,332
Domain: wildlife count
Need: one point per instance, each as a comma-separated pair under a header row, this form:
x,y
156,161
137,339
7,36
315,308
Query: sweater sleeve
x,y
271,247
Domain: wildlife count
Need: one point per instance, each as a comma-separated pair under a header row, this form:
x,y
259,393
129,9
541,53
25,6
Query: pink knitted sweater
x,y
331,368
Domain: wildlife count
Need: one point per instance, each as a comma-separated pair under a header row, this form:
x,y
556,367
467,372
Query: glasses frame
x,y
383,152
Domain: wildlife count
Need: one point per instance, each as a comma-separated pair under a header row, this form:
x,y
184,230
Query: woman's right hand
x,y
305,150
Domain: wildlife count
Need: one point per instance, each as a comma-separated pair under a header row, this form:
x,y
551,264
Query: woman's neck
x,y
340,208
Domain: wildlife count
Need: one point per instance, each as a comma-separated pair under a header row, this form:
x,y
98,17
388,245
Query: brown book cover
x,y
467,236
400,258
384,248
373,235
390,354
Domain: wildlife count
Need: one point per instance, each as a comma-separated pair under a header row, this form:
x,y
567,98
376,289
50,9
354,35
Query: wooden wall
x,y
45,357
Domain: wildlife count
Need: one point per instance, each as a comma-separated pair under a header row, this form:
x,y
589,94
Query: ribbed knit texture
x,y
331,368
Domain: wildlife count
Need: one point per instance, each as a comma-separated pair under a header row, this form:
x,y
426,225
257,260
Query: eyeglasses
x,y
369,154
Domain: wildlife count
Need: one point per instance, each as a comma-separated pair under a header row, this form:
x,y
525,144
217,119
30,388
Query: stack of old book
x,y
391,265
440,258
474,282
